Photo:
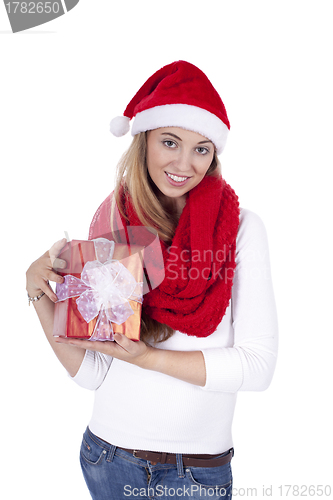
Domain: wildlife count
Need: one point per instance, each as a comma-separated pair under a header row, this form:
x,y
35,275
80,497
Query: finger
x,y
45,287
124,342
59,263
56,249
108,347
42,281
44,268
83,344
50,275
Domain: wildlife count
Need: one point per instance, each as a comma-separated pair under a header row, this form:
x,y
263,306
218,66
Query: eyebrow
x,y
176,136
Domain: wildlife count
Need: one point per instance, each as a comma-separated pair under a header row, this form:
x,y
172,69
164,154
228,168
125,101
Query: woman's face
x,y
177,160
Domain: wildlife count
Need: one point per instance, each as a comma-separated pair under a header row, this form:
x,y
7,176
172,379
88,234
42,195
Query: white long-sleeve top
x,y
142,409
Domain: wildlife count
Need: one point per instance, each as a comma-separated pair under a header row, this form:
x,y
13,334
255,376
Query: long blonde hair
x,y
132,174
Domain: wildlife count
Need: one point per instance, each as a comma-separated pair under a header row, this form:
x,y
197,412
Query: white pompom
x,y
120,125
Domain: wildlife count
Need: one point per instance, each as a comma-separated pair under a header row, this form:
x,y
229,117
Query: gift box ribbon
x,y
104,290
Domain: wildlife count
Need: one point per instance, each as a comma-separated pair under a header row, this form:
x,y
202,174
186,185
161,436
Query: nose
x,y
183,162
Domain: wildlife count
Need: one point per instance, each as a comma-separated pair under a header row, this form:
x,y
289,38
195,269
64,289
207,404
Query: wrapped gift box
x,y
103,285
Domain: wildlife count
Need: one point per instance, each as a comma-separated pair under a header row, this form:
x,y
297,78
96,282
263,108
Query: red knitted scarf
x,y
199,264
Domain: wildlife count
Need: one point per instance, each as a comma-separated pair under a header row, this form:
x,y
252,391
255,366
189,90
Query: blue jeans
x,y
112,473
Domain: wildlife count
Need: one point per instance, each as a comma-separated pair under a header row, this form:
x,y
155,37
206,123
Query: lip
x,y
174,183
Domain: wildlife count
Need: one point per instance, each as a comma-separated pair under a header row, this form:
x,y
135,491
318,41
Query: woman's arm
x,y
188,366
250,363
39,273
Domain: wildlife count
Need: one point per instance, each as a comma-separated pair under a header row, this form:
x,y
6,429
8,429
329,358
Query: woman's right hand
x,y
42,270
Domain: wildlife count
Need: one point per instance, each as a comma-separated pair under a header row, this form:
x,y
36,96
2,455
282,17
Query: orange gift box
x,y
99,278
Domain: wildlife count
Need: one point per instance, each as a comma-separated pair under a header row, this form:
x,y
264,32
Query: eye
x,y
170,144
202,150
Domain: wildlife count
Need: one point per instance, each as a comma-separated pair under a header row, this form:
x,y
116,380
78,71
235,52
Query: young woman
x,y
161,425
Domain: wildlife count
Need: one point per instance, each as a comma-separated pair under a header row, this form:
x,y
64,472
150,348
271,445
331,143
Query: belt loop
x,y
180,467
111,453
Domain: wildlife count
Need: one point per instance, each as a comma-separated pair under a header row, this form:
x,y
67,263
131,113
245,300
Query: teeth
x,y
176,178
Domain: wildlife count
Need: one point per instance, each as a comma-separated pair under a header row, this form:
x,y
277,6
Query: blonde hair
x,y
133,176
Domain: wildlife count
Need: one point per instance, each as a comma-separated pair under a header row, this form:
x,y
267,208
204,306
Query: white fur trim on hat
x,y
184,116
120,125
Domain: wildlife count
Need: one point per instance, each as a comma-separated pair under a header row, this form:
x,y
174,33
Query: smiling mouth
x,y
176,178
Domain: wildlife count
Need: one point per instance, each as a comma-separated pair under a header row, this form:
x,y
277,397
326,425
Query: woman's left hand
x,y
135,352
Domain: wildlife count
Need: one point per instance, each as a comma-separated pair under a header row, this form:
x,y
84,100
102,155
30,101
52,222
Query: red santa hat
x,y
177,95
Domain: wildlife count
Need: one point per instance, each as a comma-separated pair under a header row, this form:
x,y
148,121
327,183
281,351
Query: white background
x,y
61,84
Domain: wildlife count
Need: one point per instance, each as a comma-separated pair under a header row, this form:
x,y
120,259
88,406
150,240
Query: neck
x,y
174,206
